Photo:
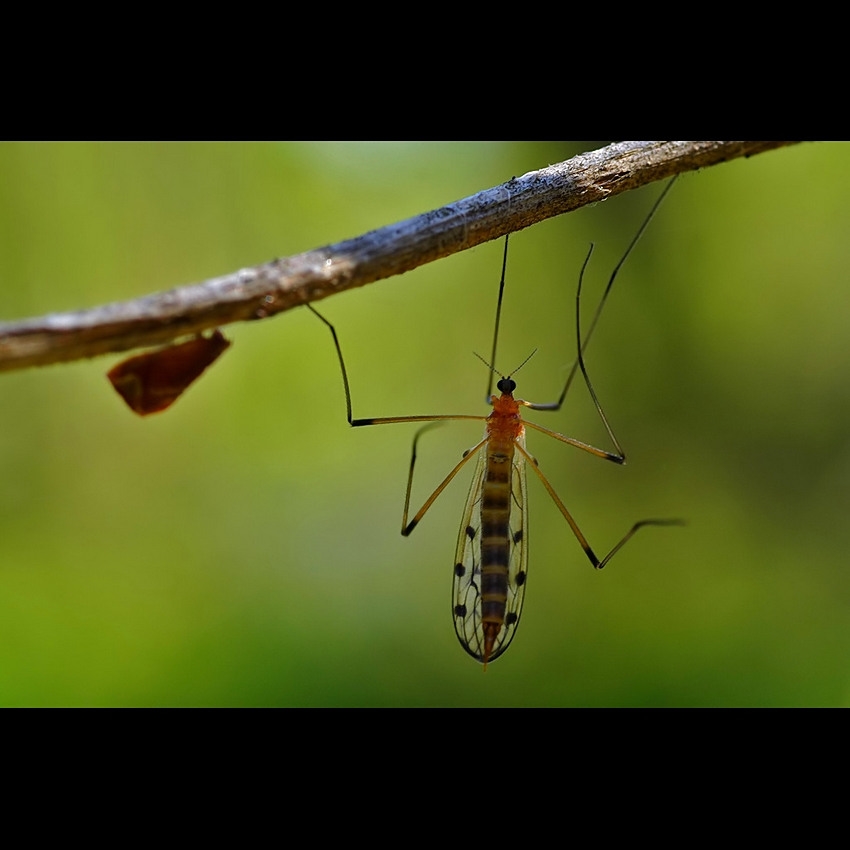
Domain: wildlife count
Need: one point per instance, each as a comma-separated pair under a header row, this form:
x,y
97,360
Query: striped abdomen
x,y
496,542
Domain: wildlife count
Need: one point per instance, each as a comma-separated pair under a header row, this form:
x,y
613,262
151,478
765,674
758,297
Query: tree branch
x,y
264,290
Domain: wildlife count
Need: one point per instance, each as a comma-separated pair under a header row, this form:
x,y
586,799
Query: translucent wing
x,y
467,587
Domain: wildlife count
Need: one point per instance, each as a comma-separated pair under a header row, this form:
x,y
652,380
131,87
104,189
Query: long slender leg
x,y
406,528
579,363
492,362
597,563
619,456
616,458
341,361
381,420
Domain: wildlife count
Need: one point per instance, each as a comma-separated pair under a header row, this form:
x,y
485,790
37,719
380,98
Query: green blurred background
x,y
243,548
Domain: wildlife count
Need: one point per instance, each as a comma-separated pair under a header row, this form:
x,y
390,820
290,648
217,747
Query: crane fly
x,y
491,558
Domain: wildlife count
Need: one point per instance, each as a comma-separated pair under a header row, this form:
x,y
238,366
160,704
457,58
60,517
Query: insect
x,y
491,558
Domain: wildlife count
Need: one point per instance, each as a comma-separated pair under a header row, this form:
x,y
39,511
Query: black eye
x,y
506,385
